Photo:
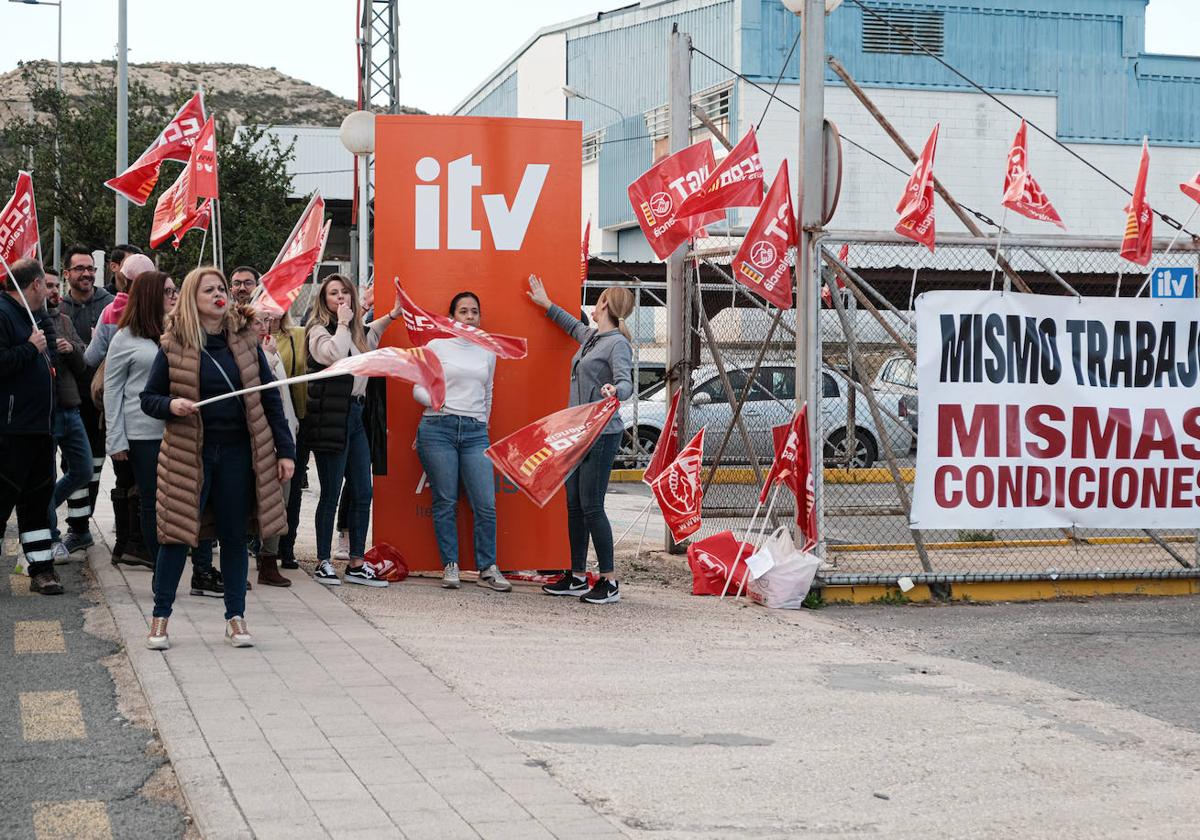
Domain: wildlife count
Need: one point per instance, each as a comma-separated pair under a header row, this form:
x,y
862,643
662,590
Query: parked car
x,y
771,402
897,382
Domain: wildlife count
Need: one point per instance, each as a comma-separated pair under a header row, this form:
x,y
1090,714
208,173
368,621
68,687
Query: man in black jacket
x,y
26,408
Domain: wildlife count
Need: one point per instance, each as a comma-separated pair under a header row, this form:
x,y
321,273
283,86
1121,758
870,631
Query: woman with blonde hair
x,y
602,367
226,459
334,429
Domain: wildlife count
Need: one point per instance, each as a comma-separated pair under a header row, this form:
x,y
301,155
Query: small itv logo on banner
x,y
1173,283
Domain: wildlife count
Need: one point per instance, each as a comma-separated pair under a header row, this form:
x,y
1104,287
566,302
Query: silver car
x,y
771,402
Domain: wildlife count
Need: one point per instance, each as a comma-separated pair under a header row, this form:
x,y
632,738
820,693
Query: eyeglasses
x,y
86,269
170,291
247,284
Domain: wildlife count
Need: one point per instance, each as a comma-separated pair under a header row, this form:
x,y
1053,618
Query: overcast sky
x,y
446,48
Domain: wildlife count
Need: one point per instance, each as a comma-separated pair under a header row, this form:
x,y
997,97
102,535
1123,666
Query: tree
x,y
256,212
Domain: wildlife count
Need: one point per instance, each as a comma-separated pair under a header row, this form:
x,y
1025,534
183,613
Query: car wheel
x,y
631,456
865,450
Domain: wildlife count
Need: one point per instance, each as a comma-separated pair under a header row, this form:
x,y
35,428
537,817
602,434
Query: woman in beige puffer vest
x,y
225,460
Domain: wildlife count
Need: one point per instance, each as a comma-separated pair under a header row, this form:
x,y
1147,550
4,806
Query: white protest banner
x,y
1053,412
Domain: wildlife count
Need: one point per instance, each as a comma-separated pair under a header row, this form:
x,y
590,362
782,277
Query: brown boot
x,y
268,571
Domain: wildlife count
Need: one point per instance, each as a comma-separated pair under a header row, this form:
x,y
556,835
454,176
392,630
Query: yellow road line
x,y
18,585
76,819
38,637
745,475
51,716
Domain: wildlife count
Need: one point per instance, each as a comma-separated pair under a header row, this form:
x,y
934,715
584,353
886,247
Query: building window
x,y
716,103
591,146
927,28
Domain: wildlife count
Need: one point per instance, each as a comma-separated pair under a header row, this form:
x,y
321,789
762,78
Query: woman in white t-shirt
x,y
451,443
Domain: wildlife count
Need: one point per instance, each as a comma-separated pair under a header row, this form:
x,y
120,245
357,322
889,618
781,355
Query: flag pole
x,y
646,520
203,242
20,291
741,544
638,519
1170,245
275,383
762,533
996,263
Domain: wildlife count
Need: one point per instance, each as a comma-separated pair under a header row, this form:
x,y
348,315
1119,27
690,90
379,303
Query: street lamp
x,y
358,136
576,93
58,86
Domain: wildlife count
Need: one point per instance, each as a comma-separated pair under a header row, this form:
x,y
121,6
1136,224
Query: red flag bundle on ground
x,y
715,560
656,197
538,457
1021,192
300,253
1139,219
677,490
203,163
411,365
736,182
668,443
18,223
1191,188
916,205
424,326
175,143
793,467
762,263
583,251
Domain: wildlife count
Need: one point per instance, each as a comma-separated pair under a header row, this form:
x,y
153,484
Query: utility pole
x,y
122,233
679,109
811,183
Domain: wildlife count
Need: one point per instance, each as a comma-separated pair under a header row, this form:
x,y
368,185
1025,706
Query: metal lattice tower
x,y
379,84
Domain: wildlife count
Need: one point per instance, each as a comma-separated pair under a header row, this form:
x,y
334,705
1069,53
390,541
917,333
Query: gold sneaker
x,y
237,634
157,640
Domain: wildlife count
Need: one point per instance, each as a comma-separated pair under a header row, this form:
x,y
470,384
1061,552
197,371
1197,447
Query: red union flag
x,y
424,326
411,365
203,162
1191,188
174,143
736,182
18,222
1021,192
656,197
793,467
678,492
668,443
762,263
1139,219
538,457
300,253
175,213
916,205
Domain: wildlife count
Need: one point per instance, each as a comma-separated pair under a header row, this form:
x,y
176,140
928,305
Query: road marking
x,y
18,585
78,819
38,637
51,716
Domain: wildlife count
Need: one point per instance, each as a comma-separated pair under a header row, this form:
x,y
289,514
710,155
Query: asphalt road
x,y
90,766
1136,652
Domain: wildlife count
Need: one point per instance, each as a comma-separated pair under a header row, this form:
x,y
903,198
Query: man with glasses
x,y
83,304
243,280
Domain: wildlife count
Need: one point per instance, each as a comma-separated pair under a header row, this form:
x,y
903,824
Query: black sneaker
x,y
288,563
568,584
364,575
604,592
207,582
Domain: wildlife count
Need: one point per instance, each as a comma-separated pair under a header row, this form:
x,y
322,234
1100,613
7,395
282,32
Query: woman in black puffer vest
x,y
334,428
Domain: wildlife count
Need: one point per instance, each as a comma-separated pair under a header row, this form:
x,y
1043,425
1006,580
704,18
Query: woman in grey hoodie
x,y
602,367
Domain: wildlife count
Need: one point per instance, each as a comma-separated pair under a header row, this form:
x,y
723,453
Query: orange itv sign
x,y
478,204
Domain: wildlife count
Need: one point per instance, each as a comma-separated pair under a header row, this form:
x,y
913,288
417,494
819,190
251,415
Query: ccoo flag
x,y
18,223
299,254
174,143
916,205
736,182
424,326
1139,218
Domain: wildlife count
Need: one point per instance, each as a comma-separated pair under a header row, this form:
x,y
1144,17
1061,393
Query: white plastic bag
x,y
785,584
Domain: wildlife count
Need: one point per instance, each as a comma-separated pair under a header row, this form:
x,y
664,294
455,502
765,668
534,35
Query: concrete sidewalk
x,y
326,728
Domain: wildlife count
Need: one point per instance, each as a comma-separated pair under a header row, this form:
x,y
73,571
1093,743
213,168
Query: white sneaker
x,y
450,576
326,574
490,578
59,552
157,640
342,552
237,634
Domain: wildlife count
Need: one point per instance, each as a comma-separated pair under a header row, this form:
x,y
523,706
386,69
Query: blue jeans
x,y
143,458
354,465
229,485
451,450
586,487
72,440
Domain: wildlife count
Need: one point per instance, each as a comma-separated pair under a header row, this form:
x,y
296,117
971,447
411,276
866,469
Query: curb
x,y
209,799
992,591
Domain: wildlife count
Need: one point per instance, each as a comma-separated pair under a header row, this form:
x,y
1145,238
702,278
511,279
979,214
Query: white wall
x,y
541,73
970,162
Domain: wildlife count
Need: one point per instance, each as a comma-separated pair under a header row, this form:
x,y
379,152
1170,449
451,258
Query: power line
x,y
778,79
907,37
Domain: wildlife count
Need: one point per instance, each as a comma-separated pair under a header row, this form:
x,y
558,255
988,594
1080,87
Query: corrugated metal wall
x,y
625,155
501,102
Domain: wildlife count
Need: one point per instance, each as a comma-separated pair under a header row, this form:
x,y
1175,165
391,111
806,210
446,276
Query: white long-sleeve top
x,y
125,373
327,349
470,371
